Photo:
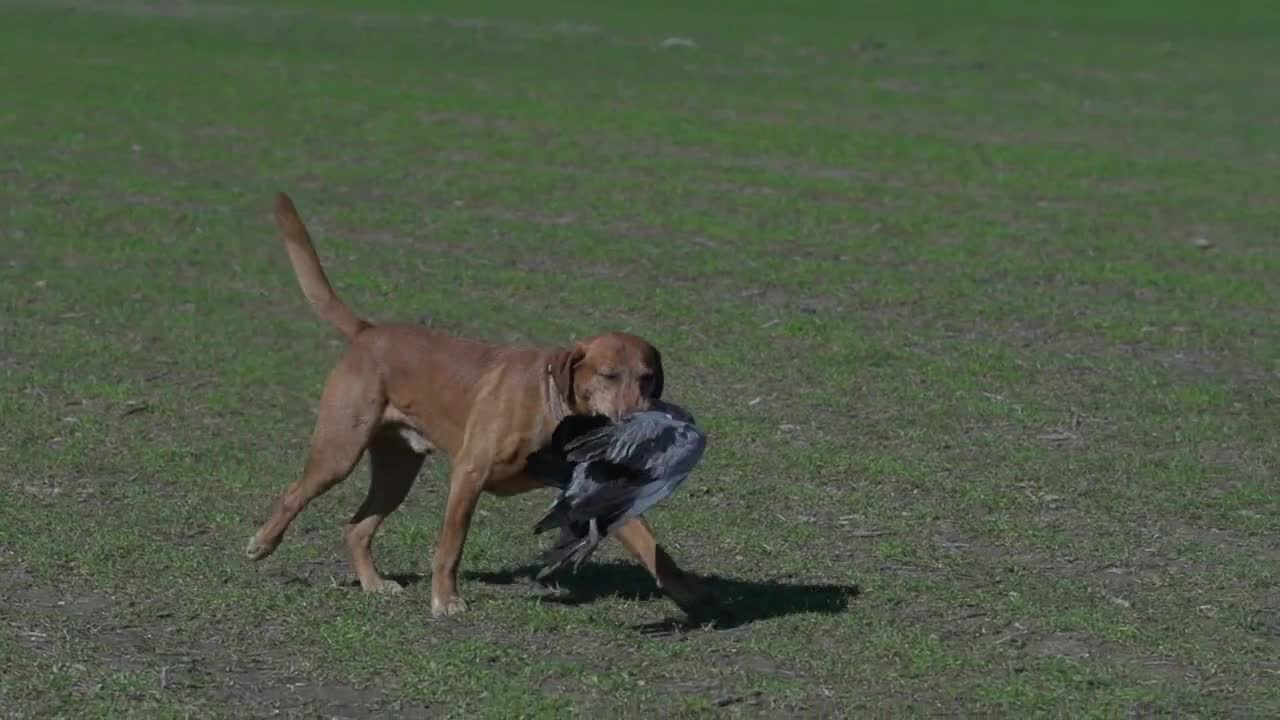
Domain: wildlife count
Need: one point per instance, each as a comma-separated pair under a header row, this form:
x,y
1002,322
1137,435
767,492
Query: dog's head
x,y
612,375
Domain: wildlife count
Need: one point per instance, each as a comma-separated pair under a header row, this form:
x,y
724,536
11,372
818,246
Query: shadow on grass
x,y
727,602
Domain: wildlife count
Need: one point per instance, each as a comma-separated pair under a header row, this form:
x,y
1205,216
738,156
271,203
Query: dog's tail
x,y
311,278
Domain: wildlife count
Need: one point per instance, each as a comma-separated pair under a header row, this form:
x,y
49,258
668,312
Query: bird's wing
x,y
621,441
599,488
641,499
649,443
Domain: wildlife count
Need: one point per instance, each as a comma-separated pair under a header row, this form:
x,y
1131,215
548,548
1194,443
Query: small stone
x,y
679,42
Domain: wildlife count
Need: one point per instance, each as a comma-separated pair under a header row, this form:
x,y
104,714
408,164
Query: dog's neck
x,y
554,399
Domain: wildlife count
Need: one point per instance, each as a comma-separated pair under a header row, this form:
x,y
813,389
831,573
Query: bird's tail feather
x,y
557,516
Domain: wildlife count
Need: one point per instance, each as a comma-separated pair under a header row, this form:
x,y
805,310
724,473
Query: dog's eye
x,y
609,375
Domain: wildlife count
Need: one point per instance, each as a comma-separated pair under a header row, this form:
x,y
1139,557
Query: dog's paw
x,y
256,549
452,605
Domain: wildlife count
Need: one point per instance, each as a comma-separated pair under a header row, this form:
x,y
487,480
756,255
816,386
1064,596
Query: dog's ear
x,y
563,368
659,376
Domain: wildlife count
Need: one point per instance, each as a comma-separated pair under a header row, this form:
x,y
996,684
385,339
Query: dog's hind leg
x,y
393,466
350,411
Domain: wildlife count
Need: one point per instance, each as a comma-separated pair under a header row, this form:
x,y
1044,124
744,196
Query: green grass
x,y
928,273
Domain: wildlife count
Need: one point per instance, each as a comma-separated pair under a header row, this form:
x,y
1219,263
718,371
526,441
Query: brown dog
x,y
401,390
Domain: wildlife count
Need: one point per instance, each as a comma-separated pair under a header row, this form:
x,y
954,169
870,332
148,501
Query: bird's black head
x,y
574,426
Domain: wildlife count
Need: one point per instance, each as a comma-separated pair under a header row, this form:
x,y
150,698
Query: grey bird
x,y
609,473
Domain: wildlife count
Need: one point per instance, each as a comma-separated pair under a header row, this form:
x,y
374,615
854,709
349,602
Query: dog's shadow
x,y
727,602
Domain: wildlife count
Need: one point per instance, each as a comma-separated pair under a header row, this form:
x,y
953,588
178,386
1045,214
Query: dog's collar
x,y
555,405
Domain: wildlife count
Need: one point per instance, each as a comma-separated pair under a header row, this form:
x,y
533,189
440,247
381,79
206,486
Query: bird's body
x,y
609,473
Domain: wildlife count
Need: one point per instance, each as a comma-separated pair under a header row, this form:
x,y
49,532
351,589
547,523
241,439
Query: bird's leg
x,y
586,547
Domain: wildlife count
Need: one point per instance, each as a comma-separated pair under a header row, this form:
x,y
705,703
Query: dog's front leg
x,y
465,485
637,537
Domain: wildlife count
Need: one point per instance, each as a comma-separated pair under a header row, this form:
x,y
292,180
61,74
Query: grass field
x,y
977,301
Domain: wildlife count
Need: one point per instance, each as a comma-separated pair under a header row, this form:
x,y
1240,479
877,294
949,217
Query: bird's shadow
x,y
726,602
